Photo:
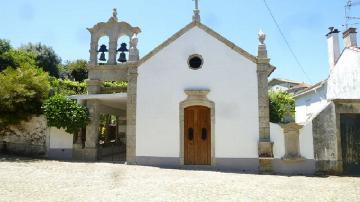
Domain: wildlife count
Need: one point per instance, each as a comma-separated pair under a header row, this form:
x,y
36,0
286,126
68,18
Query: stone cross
x,y
196,16
196,4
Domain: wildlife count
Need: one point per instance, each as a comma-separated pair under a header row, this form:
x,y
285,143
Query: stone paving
x,y
42,180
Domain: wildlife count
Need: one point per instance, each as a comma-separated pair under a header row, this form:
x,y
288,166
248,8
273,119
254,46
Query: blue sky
x,y
62,25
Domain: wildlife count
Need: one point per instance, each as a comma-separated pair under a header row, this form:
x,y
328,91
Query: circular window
x,y
195,62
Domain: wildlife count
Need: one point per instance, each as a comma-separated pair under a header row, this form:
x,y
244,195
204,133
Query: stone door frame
x,y
197,98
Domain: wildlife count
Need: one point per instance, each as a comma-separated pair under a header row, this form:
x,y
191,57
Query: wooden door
x,y
350,142
197,136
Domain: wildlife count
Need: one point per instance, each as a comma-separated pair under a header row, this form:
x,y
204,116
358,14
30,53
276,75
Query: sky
x,y
62,25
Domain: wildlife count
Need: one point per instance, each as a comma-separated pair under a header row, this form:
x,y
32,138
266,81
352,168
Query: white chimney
x,y
333,46
350,38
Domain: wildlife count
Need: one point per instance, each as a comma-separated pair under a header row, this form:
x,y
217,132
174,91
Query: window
x,y
195,62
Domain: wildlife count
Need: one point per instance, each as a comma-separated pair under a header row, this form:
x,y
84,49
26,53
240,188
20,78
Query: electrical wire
x,y
287,42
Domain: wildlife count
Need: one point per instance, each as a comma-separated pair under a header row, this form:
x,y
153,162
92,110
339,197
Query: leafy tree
x,y
22,92
282,107
62,112
16,58
4,46
46,57
78,70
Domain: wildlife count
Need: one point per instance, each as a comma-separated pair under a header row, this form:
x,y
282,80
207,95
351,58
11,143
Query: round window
x,y
195,62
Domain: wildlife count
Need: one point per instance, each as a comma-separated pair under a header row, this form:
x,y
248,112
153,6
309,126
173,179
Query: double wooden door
x,y
197,136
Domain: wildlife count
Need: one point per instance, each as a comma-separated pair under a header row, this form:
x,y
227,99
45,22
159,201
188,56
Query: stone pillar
x,y
93,86
93,50
112,50
131,116
265,148
90,151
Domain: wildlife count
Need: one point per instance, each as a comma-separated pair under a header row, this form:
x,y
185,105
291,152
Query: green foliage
x,y
4,46
67,87
46,57
16,58
122,84
22,92
282,107
62,112
78,70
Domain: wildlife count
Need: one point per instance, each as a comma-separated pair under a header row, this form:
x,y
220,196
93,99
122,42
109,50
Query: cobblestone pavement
x,y
41,180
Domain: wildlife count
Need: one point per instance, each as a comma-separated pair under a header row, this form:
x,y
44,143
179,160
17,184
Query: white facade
x,y
231,79
310,103
344,82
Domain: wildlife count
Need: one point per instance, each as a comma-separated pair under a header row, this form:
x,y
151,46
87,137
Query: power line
x,y
286,41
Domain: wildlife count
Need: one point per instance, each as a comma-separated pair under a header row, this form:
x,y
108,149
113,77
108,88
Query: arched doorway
x,y
197,135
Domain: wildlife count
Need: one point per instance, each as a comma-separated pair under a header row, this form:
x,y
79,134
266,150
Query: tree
x,y
78,70
62,112
22,92
282,107
46,57
4,46
16,58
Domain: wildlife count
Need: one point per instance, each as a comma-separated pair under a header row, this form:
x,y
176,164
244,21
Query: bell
x,y
123,48
122,57
102,57
103,48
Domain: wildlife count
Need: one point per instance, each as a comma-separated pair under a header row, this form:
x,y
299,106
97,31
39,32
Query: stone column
x,y
90,150
265,148
112,50
131,116
93,50
93,86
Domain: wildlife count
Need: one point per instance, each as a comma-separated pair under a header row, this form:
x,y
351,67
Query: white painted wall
x,y
306,141
232,81
344,80
277,137
59,139
280,87
306,147
307,105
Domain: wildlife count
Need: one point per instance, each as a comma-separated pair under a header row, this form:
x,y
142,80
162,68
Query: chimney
x,y
350,38
333,46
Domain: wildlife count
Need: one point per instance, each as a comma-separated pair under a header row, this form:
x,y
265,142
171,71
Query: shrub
x,y
67,87
62,112
282,107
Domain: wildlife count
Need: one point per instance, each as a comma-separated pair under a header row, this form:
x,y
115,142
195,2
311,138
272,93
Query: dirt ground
x,y
42,180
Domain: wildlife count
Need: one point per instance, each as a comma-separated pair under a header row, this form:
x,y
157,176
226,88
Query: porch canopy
x,y
108,103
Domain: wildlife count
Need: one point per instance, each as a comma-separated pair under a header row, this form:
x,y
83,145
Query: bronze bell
x,y
122,57
102,49
102,57
122,49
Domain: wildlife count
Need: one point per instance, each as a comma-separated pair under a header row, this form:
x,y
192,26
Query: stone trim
x,y
131,116
197,98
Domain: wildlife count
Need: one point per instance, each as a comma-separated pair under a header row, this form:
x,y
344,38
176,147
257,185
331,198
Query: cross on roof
x,y
196,4
196,16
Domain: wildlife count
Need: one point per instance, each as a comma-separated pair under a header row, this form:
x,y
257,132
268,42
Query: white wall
x,y
344,82
231,79
277,137
280,87
310,104
59,139
306,147
306,141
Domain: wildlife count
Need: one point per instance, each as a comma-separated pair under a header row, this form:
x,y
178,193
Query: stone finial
x,y
134,41
262,37
114,16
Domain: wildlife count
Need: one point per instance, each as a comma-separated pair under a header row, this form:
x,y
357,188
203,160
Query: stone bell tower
x,y
101,69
